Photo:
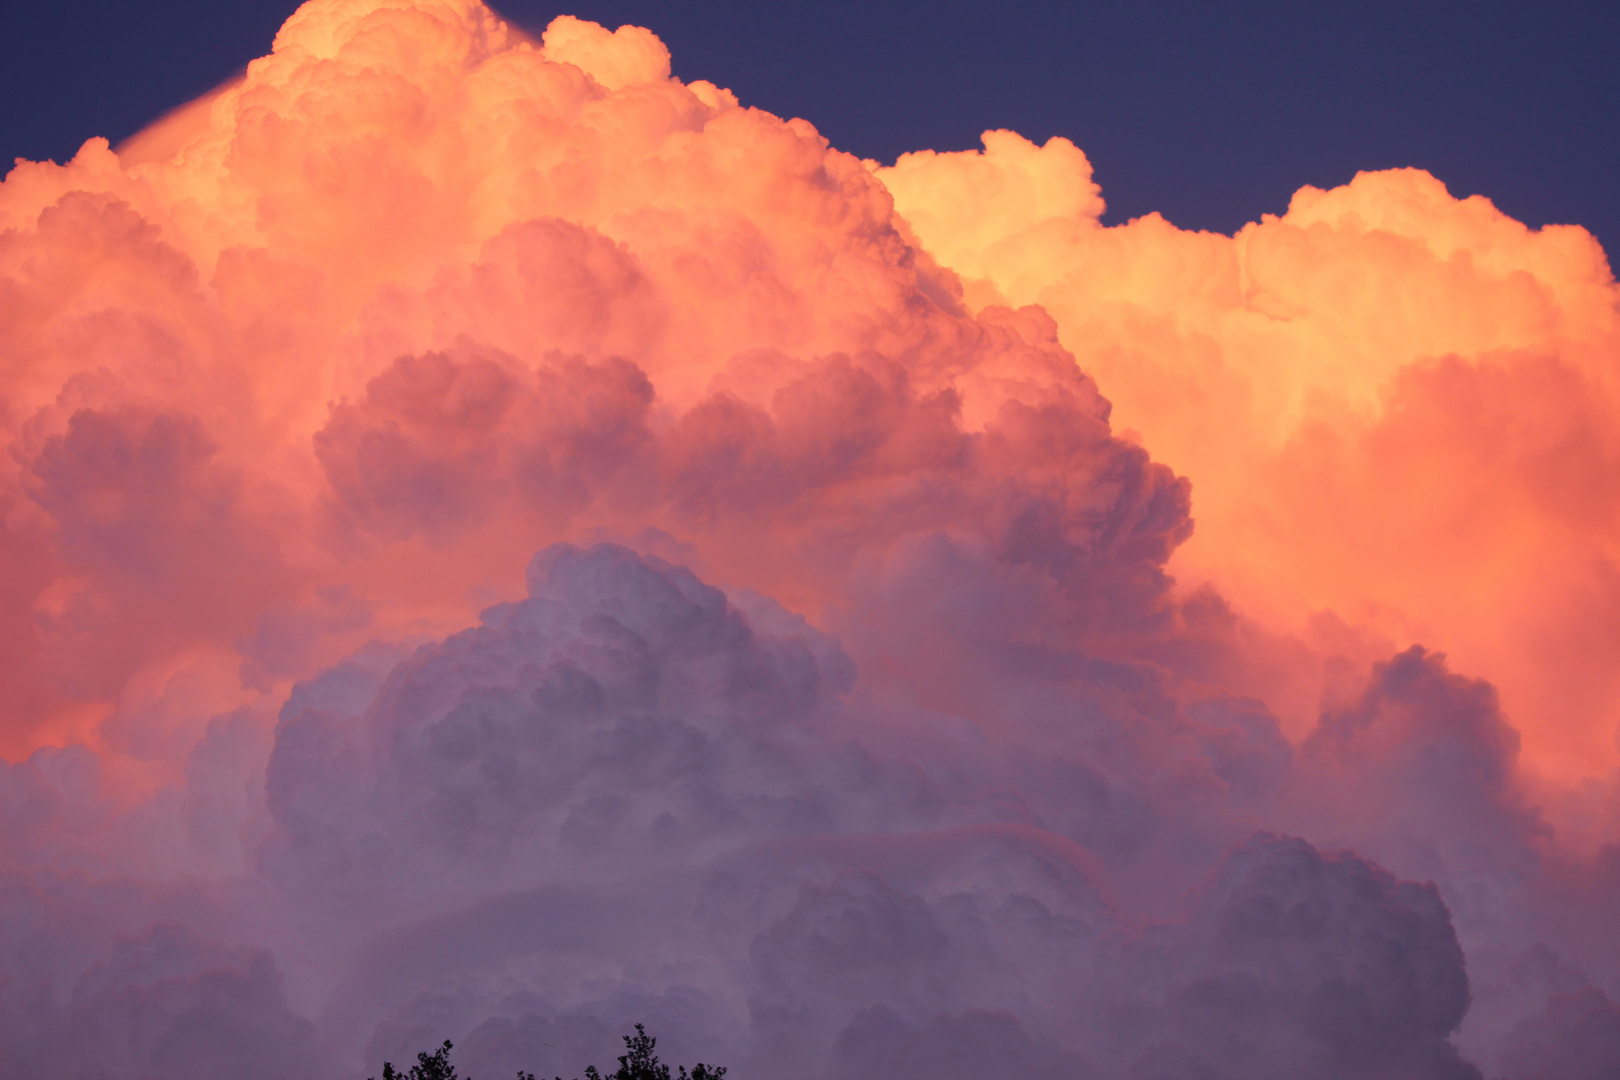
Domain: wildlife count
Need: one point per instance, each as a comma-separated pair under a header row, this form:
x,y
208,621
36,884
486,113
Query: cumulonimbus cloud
x,y
1397,408
873,705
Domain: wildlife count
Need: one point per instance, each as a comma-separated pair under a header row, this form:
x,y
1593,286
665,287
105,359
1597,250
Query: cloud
x,y
1394,405
170,1004
1312,965
500,544
1576,1035
620,793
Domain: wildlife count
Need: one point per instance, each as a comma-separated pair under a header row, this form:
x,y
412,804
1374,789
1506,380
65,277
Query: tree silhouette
x,y
638,1062
434,1066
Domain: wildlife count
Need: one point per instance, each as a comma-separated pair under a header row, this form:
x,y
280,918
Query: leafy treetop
x,y
638,1062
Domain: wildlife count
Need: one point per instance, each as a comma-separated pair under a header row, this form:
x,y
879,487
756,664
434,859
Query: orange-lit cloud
x,y
1399,410
872,690
422,296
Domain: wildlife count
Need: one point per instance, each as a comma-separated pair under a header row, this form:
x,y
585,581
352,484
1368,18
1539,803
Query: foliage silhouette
x,y
435,1066
638,1062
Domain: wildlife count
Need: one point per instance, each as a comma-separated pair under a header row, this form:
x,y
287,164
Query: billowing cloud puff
x,y
851,719
1576,1035
1397,408
1305,965
624,796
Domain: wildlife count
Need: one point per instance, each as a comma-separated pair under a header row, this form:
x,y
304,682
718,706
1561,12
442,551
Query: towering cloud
x,y
1398,409
497,543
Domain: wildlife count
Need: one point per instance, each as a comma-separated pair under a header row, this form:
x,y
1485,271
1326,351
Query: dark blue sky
x,y
1211,113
